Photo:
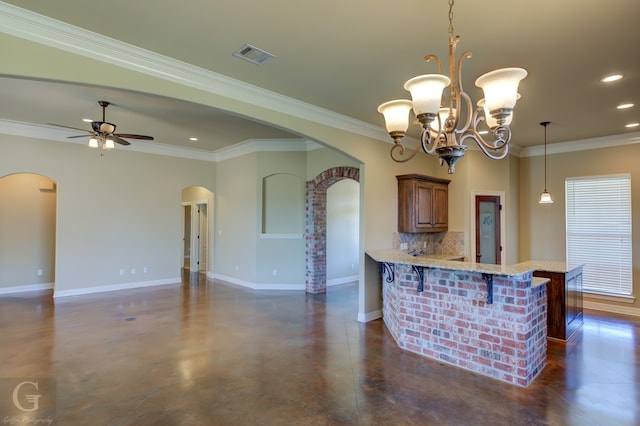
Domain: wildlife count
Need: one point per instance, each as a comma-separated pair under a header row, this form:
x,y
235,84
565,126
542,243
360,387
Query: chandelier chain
x,y
451,19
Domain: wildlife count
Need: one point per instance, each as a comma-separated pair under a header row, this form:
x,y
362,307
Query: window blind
x,y
599,232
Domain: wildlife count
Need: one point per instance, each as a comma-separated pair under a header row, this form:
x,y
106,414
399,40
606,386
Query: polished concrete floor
x,y
208,353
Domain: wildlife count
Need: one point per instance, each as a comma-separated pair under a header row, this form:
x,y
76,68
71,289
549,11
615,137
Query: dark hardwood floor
x,y
208,353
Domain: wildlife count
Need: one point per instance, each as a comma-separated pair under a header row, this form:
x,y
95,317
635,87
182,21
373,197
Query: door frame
x,y
202,227
194,255
472,233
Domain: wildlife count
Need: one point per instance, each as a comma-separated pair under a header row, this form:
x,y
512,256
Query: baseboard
x,y
256,286
26,288
369,316
343,280
114,287
614,309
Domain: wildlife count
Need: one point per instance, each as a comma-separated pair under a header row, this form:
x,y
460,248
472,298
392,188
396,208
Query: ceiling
x,y
350,56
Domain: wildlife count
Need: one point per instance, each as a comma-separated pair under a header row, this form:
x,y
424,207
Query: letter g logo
x,y
33,399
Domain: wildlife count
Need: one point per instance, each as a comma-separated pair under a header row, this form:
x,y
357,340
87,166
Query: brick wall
x,y
452,322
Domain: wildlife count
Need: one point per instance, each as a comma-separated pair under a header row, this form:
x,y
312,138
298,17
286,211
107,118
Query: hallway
x,y
208,353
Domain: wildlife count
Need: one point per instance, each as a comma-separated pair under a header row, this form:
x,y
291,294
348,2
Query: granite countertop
x,y
447,261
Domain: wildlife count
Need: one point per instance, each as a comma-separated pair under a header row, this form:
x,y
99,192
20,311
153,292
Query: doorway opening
x,y
197,204
316,225
28,229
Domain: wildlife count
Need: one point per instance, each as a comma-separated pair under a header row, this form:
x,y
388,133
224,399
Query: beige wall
x,y
244,254
120,212
542,229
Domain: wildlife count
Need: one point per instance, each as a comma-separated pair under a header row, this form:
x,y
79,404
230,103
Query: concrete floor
x,y
208,353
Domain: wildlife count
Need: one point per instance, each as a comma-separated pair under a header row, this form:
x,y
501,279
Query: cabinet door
x,y
423,205
440,206
574,302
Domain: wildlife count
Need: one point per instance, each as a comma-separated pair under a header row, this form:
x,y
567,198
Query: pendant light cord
x,y
545,124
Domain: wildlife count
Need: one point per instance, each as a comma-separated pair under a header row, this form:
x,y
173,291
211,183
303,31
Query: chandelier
x,y
440,115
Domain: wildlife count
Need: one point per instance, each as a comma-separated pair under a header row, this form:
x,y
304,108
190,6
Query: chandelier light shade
x,y
439,110
500,89
396,116
545,197
426,93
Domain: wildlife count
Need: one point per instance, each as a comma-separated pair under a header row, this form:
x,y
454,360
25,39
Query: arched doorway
x,y
316,225
28,229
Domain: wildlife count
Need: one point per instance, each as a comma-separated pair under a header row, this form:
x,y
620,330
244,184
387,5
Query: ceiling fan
x,y
103,132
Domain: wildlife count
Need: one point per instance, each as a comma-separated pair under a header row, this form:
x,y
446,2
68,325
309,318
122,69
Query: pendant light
x,y
545,197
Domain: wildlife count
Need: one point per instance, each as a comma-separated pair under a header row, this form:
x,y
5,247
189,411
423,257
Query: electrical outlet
x,y
121,272
275,272
133,271
145,270
39,272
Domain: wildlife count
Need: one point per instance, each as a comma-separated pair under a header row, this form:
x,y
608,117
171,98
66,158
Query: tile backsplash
x,y
431,243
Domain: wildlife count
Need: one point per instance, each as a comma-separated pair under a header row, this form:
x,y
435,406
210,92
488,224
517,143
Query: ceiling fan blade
x,y
116,139
80,136
130,136
69,127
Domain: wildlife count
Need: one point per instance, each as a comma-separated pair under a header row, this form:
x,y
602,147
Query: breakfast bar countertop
x,y
448,261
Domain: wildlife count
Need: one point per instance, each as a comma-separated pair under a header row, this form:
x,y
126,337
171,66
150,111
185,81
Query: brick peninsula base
x,y
451,321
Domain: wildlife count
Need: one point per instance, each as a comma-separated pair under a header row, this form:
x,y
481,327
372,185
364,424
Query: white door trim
x,y
503,225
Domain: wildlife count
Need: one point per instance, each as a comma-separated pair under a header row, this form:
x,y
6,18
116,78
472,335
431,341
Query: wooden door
x,y
488,247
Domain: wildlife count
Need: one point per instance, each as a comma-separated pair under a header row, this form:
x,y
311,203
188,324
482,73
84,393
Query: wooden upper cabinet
x,y
423,204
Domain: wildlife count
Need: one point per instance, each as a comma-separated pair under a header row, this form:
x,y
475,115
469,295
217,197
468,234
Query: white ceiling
x,y
350,56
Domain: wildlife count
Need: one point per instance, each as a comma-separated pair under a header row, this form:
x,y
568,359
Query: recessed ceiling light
x,y
632,125
610,78
193,139
624,106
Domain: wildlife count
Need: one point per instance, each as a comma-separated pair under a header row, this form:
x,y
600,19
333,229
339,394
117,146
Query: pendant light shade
x,y
545,197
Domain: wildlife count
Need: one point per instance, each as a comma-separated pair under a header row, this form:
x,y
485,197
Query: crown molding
x,y
582,145
265,145
40,131
41,29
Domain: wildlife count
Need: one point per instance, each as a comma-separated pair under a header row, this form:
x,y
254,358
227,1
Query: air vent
x,y
253,54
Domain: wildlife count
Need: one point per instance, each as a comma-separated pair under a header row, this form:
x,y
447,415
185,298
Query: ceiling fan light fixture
x,y
106,128
93,143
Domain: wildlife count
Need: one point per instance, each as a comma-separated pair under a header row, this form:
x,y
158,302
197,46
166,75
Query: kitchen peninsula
x,y
490,319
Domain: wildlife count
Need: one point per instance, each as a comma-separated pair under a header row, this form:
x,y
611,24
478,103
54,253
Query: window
x,y
599,232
